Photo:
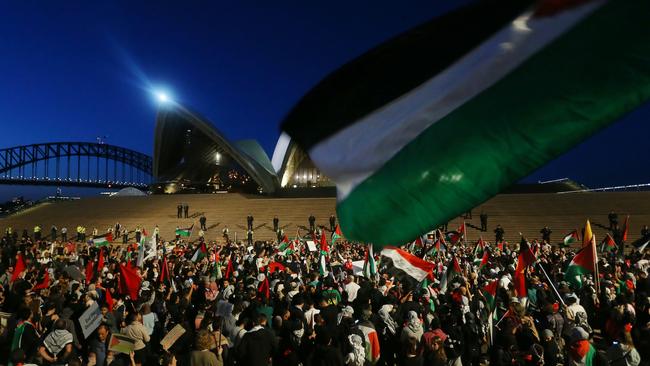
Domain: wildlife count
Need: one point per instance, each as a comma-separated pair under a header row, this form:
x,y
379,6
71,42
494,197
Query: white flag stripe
x,y
353,154
401,263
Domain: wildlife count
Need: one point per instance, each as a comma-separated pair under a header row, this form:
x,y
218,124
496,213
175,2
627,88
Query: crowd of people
x,y
203,302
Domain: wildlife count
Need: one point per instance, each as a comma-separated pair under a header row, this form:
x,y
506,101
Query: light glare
x,y
162,97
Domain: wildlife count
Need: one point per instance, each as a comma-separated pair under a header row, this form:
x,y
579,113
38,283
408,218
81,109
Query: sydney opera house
x,y
192,155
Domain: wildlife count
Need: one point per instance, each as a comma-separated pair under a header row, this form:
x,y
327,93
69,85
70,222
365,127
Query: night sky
x,y
75,70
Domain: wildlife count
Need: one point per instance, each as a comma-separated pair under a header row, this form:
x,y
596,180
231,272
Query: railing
x,y
637,187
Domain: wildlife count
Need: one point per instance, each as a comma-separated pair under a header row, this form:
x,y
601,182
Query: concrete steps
x,y
525,213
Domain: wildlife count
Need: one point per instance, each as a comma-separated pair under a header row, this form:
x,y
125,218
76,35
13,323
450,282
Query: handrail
x,y
613,188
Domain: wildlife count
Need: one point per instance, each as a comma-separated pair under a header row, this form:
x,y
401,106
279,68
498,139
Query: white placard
x,y
90,319
312,246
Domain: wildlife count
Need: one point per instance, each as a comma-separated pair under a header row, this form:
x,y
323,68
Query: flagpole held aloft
x,y
557,293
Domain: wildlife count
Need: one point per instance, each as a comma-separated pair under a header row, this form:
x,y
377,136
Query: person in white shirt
x,y
351,288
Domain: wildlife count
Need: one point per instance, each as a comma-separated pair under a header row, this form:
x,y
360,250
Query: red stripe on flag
x,y
413,260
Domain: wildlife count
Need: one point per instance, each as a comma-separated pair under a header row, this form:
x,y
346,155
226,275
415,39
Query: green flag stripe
x,y
364,153
574,272
577,85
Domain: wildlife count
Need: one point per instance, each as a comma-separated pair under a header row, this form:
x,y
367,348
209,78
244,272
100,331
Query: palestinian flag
x,y
371,343
417,242
453,271
401,264
583,263
490,293
322,264
639,244
185,232
626,227
229,268
201,252
455,237
438,246
571,238
121,343
286,246
534,69
479,248
502,245
484,261
324,248
608,244
369,265
337,234
103,240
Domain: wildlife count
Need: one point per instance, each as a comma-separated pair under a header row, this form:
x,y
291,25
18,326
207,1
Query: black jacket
x,y
257,347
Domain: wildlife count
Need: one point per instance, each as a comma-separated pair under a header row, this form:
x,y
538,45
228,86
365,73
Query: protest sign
x,y
172,336
90,319
121,343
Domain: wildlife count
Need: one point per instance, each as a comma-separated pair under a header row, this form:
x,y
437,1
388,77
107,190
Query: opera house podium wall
x,y
525,213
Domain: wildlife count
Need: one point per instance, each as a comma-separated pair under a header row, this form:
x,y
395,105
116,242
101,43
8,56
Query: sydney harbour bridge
x,y
80,164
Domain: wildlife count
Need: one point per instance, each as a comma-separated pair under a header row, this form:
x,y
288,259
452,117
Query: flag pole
x,y
503,317
596,275
557,293
465,236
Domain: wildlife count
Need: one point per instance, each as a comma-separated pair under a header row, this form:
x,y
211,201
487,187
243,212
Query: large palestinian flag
x,y
583,262
504,85
401,264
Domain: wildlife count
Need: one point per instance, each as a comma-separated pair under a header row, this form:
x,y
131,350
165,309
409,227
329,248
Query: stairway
x,y
525,213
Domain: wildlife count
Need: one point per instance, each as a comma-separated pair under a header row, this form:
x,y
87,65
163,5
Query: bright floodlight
x,y
162,97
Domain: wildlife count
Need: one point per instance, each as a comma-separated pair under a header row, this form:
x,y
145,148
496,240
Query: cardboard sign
x,y
312,246
172,336
4,319
121,343
90,319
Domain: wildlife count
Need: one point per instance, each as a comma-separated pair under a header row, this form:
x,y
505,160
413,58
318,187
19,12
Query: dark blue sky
x,y
75,70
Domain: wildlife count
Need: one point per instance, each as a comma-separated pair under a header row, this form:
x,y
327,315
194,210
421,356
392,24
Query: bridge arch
x,y
75,164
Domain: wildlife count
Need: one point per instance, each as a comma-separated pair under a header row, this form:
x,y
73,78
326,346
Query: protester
x,y
250,303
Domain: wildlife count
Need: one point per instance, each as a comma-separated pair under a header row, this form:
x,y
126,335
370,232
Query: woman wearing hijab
x,y
387,330
413,328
